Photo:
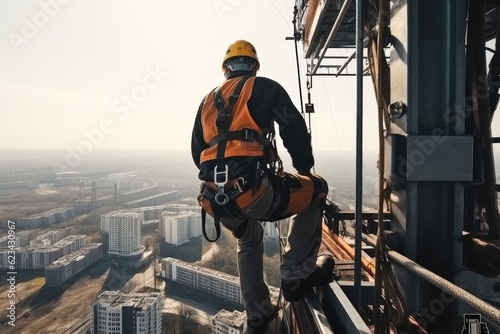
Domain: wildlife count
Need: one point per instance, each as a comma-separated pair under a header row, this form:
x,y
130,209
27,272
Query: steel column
x,y
428,76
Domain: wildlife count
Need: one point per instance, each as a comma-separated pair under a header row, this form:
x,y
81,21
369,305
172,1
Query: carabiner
x,y
221,197
220,180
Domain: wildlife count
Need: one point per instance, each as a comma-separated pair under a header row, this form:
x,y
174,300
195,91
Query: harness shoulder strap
x,y
222,122
224,118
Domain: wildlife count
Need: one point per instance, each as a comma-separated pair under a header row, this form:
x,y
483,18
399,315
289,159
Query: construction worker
x,y
243,182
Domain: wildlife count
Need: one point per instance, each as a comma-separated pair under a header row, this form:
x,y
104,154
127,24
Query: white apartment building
x,y
178,228
38,258
226,322
125,234
135,313
204,279
38,243
21,239
53,236
271,229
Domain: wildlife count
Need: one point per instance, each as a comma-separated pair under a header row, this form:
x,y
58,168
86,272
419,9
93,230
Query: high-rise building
x,y
178,228
134,313
124,230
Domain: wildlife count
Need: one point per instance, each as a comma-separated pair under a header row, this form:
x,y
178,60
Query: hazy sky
x,y
137,70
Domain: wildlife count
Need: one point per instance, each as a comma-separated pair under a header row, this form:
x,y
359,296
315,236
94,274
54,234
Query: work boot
x,y
259,326
323,274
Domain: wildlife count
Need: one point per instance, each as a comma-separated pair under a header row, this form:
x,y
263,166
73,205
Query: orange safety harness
x,y
222,199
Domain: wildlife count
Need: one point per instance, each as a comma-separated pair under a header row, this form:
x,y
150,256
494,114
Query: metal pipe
x,y
455,291
359,154
351,57
335,27
337,245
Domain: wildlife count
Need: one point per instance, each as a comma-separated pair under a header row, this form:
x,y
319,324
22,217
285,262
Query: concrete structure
x,y
51,237
178,228
131,185
136,194
47,218
21,239
158,199
177,184
70,244
28,184
38,243
39,258
125,234
219,284
226,322
68,266
174,174
152,212
114,312
42,257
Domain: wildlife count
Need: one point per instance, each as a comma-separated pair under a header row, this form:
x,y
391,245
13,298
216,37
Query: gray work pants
x,y
299,259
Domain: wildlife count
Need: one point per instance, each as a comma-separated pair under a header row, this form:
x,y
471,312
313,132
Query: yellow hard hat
x,y
241,48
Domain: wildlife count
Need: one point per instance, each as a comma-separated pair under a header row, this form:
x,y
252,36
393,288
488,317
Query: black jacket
x,y
268,103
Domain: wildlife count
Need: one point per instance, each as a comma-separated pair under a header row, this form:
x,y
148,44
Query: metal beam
x,y
428,77
317,312
335,27
340,312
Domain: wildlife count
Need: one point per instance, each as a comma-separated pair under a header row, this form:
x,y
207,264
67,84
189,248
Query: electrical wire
x,y
272,3
335,128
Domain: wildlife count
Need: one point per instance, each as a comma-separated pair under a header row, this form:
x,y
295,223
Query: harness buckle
x,y
239,186
220,180
248,135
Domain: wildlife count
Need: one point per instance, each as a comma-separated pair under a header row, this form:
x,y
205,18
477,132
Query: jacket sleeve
x,y
197,142
270,103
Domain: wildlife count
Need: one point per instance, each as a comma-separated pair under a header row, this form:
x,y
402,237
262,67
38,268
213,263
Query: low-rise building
x,y
38,258
226,322
21,239
68,266
211,281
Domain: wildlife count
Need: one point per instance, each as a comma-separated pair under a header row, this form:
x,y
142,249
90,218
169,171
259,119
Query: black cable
x,y
295,39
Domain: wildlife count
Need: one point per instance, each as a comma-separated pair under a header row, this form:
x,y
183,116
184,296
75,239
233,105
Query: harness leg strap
x,y
320,186
203,223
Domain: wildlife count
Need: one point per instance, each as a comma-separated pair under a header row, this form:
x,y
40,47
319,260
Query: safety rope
x,y
486,193
296,39
385,282
280,304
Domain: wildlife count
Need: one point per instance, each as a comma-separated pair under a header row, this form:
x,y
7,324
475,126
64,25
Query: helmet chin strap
x,y
228,73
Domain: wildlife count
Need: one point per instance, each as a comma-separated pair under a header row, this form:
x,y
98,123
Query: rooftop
x,y
73,256
207,271
233,319
136,300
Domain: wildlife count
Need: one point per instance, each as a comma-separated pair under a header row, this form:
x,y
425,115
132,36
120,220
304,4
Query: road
x,y
171,303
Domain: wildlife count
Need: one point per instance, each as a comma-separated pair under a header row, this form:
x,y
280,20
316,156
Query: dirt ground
x,y
43,310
